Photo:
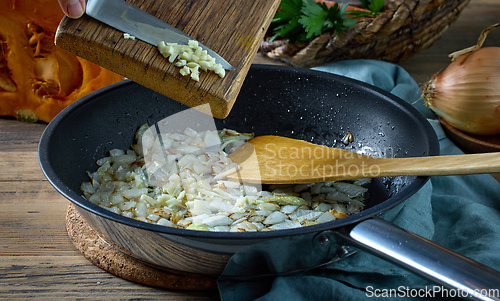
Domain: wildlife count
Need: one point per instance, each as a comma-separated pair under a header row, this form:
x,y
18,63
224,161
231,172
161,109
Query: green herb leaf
x,y
373,5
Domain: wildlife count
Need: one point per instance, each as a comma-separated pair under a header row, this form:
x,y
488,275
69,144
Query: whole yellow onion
x,y
467,93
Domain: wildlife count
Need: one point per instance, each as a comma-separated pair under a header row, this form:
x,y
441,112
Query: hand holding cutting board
x,y
232,29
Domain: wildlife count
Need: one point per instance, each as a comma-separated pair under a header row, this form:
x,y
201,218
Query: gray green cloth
x,y
461,213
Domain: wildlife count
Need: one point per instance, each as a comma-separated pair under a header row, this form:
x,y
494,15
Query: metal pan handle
x,y
423,257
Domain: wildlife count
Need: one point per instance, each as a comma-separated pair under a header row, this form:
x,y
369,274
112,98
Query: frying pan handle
x,y
445,267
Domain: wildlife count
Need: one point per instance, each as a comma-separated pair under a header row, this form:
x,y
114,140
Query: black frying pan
x,y
299,103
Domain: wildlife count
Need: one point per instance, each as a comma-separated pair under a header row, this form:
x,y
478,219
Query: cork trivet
x,y
104,256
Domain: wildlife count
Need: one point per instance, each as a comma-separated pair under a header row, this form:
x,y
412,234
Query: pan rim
x,y
84,204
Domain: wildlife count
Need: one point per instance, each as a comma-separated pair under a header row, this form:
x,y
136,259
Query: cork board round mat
x,y
104,256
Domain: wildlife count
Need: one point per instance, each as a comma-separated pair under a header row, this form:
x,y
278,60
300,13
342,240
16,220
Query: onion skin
x,y
467,93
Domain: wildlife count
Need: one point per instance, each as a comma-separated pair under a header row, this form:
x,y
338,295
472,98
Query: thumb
x,y
73,8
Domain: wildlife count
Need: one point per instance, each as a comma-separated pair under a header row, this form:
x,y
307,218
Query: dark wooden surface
x,y
38,259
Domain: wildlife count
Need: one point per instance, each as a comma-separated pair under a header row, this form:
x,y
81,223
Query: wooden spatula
x,y
280,160
232,28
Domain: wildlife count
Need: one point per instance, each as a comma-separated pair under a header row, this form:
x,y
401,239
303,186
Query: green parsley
x,y
286,21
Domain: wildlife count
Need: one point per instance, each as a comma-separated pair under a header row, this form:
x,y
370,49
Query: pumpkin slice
x,y
37,79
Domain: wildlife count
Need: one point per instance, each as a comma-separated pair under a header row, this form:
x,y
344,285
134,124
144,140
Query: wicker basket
x,y
403,29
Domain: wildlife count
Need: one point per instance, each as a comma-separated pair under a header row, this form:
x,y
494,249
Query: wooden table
x,y
38,259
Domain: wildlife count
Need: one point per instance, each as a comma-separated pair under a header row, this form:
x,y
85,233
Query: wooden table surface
x,y
38,259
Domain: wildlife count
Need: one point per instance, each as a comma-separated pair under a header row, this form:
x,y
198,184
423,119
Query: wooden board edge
x,y
153,79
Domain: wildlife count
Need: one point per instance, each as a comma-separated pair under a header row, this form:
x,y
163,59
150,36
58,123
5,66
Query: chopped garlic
x,y
190,58
181,63
193,65
128,36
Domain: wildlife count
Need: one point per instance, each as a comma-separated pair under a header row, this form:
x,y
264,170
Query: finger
x,y
73,8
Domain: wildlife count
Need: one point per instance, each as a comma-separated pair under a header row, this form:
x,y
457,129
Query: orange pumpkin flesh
x,y
37,79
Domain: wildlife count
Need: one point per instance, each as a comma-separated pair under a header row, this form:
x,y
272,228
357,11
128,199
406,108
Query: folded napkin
x,y
461,213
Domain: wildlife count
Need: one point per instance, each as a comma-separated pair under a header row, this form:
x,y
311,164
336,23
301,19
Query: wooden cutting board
x,y
232,28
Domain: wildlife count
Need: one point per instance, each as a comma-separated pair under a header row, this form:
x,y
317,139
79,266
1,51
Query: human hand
x,y
72,8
